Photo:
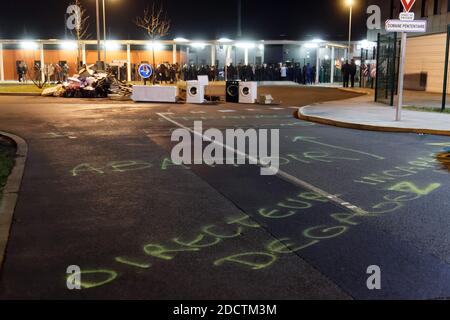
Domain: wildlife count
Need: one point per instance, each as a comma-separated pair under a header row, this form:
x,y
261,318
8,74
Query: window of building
x,y
436,7
424,11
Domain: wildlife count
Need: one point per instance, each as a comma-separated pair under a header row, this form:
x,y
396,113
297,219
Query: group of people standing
x,y
22,70
295,72
273,72
172,73
349,73
53,72
56,72
191,72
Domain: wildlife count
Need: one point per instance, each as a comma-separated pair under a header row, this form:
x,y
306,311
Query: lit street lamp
x,y
98,30
104,30
350,4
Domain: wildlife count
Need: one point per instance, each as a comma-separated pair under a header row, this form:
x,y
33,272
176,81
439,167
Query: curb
x,y
20,94
367,127
362,92
11,192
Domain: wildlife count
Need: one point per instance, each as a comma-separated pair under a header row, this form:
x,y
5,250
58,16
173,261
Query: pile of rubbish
x,y
90,83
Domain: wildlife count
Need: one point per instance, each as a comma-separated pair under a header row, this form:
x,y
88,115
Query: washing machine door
x,y
193,91
246,91
233,90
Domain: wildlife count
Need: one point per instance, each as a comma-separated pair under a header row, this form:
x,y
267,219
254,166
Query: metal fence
x,y
388,56
367,70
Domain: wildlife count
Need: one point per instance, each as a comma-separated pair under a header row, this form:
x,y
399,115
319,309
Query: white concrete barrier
x,y
155,94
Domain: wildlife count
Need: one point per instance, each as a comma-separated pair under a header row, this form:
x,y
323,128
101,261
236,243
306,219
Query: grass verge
x,y
426,109
20,88
7,154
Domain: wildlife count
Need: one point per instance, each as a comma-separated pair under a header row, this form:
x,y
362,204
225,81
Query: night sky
x,y
195,20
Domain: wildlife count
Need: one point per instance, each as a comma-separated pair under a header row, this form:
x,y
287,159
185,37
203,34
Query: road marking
x,y
281,174
55,135
445,144
226,111
250,109
312,140
276,108
198,112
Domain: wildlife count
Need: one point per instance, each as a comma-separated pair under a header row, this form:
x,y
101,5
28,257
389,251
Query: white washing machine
x,y
195,93
248,92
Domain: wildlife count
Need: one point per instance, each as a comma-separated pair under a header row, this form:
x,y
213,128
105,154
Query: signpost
x,y
444,90
145,71
408,4
405,25
407,16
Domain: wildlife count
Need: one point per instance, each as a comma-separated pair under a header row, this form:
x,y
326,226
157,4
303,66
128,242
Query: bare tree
x,y
156,24
81,30
39,78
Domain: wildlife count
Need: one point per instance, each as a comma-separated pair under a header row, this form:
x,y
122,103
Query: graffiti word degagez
x,y
224,310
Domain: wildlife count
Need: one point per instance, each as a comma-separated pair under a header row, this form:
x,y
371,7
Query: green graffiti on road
x,y
412,168
85,167
116,166
253,260
286,246
133,263
77,278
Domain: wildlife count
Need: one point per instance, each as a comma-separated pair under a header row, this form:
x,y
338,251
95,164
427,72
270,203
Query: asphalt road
x,y
100,192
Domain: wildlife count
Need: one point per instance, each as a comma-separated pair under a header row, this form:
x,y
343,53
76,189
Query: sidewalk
x,y
422,99
362,113
418,99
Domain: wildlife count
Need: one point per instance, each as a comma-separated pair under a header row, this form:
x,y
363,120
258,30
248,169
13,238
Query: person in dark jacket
x,y
19,69
345,74
309,74
123,72
304,75
352,72
314,74
231,72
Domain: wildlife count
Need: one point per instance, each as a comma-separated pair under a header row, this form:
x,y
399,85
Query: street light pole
x,y
398,111
239,33
98,30
104,30
350,2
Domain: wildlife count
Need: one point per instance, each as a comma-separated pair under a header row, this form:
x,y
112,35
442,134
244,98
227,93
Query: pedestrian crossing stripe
x,y
226,111
198,112
277,108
